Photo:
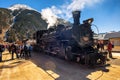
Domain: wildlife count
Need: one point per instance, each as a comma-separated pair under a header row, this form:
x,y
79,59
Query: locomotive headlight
x,y
85,38
90,20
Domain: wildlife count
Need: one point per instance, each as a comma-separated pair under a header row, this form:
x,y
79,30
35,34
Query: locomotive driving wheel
x,y
68,54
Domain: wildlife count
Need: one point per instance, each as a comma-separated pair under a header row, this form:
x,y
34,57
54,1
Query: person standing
x,y
102,46
25,51
13,49
30,48
22,51
9,48
1,50
98,45
109,48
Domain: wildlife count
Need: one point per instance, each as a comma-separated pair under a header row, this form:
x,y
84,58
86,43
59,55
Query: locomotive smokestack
x,y
76,16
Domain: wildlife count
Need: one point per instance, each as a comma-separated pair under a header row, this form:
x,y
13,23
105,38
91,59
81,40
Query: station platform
x,y
21,69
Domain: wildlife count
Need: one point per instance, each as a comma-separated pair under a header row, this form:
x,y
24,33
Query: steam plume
x,y
64,11
50,16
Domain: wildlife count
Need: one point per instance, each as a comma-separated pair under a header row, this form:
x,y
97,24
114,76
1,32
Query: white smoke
x,y
49,14
65,11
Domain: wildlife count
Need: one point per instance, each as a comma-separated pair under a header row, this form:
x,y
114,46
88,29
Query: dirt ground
x,y
45,67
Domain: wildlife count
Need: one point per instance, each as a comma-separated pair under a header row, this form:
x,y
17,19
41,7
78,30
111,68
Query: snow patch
x,y
20,6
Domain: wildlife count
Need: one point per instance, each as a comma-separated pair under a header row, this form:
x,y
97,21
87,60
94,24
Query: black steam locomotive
x,y
72,43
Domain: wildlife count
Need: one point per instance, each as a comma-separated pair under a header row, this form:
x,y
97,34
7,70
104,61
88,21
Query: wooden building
x,y
114,37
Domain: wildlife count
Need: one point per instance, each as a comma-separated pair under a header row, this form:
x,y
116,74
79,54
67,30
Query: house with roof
x,y
114,37
100,37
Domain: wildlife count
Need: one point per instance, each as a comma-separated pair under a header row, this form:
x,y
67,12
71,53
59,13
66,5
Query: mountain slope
x,y
22,21
25,23
5,18
5,21
29,21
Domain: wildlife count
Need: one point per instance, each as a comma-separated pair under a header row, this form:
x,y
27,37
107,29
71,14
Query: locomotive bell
x,y
76,16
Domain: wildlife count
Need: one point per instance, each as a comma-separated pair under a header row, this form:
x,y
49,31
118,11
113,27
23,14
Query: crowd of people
x,y
20,50
24,50
101,45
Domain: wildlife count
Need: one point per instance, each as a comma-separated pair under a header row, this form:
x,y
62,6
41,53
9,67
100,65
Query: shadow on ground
x,y
60,69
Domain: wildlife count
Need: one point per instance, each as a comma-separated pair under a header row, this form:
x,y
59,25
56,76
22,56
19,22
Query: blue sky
x,y
106,13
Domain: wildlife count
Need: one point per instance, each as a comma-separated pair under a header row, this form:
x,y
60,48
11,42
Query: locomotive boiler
x,y
72,42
